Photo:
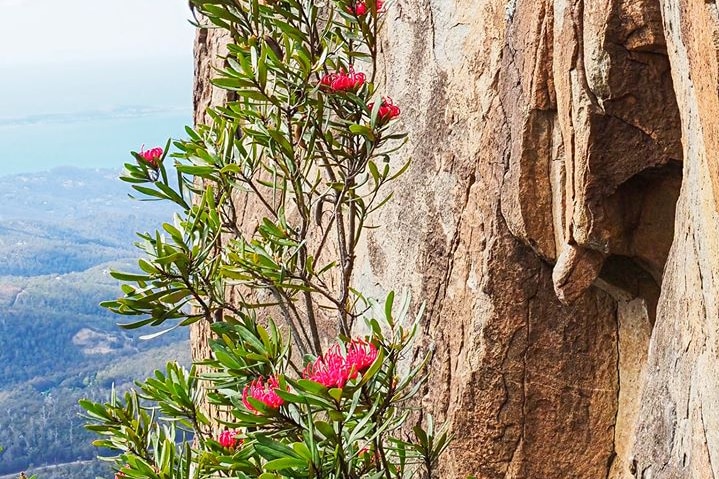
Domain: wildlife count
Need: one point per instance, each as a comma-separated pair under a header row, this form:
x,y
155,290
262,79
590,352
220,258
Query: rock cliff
x,y
560,221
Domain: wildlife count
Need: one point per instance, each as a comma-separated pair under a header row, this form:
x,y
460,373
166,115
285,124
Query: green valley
x,y
61,232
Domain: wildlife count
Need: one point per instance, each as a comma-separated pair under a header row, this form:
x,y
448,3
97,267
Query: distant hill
x,y
69,219
61,232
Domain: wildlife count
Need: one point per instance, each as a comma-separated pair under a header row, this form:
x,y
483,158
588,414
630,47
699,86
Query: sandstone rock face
x,y
560,221
678,430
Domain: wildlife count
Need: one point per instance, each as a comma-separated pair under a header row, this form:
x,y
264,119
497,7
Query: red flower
x,y
361,354
341,81
333,369
360,8
228,439
330,370
387,110
152,156
263,392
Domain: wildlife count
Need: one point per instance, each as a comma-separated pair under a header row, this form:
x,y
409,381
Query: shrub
x,y
306,140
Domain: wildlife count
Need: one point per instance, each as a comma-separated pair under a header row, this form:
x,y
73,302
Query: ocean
x,y
90,115
89,141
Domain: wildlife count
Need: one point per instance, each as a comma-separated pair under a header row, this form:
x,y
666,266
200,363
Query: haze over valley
x,y
61,232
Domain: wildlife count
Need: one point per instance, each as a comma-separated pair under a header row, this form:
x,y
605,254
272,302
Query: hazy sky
x,y
54,31
84,81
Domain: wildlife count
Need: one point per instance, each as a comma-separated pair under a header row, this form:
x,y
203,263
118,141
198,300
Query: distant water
x,y
90,115
89,140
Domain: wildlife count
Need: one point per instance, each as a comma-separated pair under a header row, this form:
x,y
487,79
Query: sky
x,y
82,82
73,31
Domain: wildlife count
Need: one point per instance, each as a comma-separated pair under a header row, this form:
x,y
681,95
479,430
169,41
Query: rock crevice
x,y
560,221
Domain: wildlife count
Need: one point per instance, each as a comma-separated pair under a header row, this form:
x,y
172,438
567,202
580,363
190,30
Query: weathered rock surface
x,y
678,427
551,141
209,46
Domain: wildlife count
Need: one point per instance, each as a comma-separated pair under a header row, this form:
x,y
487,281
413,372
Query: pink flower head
x,y
361,354
341,81
228,439
264,392
333,369
361,8
330,369
387,110
152,157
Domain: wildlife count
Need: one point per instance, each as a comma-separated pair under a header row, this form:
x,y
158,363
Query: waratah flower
x,y
228,439
361,354
333,369
343,81
387,110
264,392
361,8
152,157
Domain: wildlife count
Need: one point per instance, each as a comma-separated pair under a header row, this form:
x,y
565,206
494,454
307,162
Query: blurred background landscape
x,y
81,84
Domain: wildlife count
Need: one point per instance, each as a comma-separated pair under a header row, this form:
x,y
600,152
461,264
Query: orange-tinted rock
x,y
552,138
678,430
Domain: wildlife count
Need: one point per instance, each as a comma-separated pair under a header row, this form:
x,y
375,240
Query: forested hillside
x,y
69,219
61,232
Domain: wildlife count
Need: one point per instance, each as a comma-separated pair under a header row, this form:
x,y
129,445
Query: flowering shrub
x,y
152,156
260,392
334,369
229,440
341,417
307,142
341,81
387,110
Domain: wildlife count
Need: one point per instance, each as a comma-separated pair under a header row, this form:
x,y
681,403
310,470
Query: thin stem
x,y
344,263
248,181
290,321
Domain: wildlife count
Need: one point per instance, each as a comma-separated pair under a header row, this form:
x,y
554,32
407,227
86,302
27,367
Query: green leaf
x,y
282,141
422,437
335,393
374,368
336,416
284,463
291,397
401,171
372,167
271,449
302,449
325,429
363,130
388,307
129,276
311,386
